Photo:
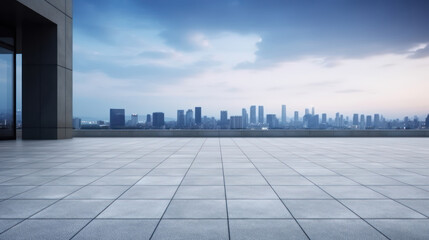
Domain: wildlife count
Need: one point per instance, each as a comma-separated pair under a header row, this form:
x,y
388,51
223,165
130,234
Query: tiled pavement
x,y
228,188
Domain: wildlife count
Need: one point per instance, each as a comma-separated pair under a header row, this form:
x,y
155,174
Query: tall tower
x,y
180,118
261,114
253,114
245,117
284,114
198,115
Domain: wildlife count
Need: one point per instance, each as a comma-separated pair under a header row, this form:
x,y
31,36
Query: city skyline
x,y
308,120
290,113
167,55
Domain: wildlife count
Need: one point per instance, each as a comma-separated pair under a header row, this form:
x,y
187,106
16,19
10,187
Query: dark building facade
x,y
260,114
198,115
117,118
252,114
224,119
180,118
427,122
40,30
272,121
158,120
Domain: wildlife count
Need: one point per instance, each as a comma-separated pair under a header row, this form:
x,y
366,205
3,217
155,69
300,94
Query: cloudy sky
x,y
338,56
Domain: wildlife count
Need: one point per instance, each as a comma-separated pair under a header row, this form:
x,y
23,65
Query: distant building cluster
x,y
193,119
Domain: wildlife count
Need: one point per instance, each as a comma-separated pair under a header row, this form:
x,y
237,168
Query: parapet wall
x,y
249,133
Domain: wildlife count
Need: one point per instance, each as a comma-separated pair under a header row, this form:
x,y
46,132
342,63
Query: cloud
x,y
155,54
348,91
421,53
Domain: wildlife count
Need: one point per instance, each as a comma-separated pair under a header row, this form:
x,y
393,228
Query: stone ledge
x,y
249,133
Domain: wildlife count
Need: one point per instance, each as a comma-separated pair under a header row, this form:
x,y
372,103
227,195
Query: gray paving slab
x,y
200,192
192,229
73,209
380,209
257,229
135,209
126,186
105,229
396,229
257,209
318,209
196,209
44,229
328,229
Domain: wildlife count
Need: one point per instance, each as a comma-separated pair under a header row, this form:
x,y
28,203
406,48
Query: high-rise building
x,y
307,111
377,121
198,115
284,115
158,119
236,122
245,117
180,118
189,118
355,120
368,121
224,119
362,122
427,122
296,118
312,111
253,114
134,120
324,118
77,123
261,114
148,119
117,118
337,119
313,122
272,121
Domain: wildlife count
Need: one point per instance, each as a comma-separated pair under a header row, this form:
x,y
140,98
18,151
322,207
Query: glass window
x,y
7,126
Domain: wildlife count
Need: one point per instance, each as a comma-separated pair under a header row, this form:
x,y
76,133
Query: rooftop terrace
x,y
215,188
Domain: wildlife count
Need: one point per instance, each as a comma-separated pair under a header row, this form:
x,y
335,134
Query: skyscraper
x,y
377,121
253,114
117,118
307,111
180,118
337,119
224,119
324,118
368,121
134,120
189,119
362,122
261,114
296,118
198,115
245,117
313,122
236,122
148,119
312,111
158,119
272,120
427,122
284,115
355,120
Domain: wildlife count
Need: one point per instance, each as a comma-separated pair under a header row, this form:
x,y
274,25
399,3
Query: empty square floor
x,y
215,188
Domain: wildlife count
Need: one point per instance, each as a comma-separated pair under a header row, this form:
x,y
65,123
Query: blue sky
x,y
347,56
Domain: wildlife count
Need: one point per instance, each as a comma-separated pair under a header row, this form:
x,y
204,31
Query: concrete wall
x,y
45,39
250,133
